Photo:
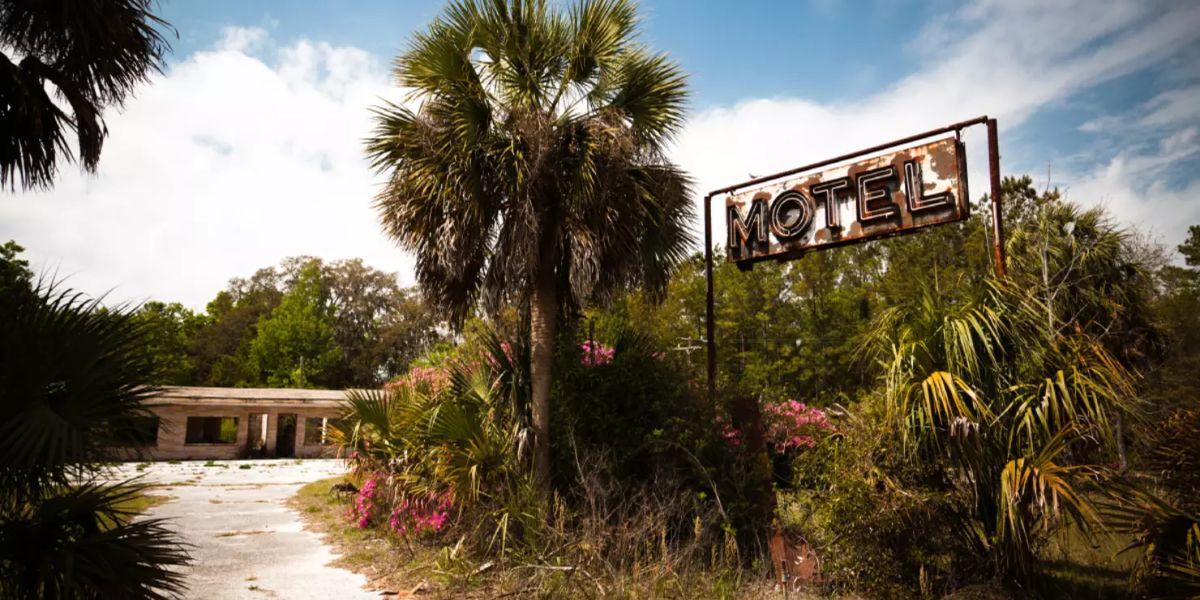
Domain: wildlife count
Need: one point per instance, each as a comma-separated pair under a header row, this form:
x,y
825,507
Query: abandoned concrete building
x,y
227,423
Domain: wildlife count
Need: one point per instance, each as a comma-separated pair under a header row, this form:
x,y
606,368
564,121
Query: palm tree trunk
x,y
543,311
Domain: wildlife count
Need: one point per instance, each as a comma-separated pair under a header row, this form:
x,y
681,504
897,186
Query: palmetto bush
x,y
456,436
1016,417
70,386
1162,514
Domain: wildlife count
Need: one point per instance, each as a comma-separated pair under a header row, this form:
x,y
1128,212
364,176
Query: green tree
x,y
1190,248
221,346
534,170
406,331
170,329
91,55
15,276
379,327
294,346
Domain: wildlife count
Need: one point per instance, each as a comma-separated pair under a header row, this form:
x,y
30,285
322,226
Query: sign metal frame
x,y
956,128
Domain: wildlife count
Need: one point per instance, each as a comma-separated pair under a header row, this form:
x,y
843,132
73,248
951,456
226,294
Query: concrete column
x,y
300,418
243,432
272,431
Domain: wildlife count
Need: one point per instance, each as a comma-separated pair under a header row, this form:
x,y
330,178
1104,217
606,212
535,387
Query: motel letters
x,y
894,193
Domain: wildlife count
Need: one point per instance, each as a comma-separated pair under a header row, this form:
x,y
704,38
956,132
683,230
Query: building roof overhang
x,y
258,397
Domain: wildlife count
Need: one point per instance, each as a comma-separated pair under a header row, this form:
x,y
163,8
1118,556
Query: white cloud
x,y
1132,186
243,39
1164,111
226,164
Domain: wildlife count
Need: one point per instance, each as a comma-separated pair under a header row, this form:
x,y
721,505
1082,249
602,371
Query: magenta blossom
x,y
365,505
421,514
595,354
729,433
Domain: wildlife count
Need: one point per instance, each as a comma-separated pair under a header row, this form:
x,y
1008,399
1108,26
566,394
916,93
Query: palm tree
x,y
528,167
70,390
93,54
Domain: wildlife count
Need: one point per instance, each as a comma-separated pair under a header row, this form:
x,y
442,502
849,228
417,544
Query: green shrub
x,y
629,401
883,526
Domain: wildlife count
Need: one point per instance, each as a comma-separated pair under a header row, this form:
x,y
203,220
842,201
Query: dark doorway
x,y
285,436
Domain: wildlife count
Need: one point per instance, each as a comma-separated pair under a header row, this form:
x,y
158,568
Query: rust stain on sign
x,y
894,193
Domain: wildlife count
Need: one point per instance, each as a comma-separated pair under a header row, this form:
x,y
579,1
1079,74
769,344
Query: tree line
x,y
304,323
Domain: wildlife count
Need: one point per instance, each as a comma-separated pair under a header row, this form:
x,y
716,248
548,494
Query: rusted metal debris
x,y
796,564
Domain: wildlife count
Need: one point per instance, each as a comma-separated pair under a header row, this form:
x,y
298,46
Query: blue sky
x,y
247,149
732,50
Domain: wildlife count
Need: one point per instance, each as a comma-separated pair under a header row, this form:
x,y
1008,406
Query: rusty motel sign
x,y
885,195
898,188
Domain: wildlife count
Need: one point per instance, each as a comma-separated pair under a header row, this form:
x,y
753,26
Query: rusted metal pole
x,y
710,342
997,221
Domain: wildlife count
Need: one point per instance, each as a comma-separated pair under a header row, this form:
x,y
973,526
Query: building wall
x,y
172,431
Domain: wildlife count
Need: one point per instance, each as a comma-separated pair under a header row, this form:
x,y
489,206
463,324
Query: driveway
x,y
248,543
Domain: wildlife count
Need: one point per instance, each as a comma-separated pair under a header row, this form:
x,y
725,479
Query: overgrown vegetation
x,y
1032,434
929,428
942,426
442,456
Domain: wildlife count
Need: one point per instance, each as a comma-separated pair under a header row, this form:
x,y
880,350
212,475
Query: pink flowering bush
x,y
408,515
596,354
440,446
420,514
791,425
729,433
431,380
367,506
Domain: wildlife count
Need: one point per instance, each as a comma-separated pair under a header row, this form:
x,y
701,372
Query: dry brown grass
x,y
590,559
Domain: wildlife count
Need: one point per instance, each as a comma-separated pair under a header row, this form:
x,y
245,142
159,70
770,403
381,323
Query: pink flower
x,y
595,354
421,514
430,379
729,433
791,424
364,506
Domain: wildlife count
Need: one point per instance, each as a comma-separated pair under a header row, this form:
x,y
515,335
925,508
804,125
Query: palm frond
x,y
80,542
1165,538
73,384
92,54
1039,490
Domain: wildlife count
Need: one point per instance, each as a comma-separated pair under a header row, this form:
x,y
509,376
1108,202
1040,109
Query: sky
x,y
248,148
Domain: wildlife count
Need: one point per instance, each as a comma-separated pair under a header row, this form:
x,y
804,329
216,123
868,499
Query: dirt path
x,y
248,543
